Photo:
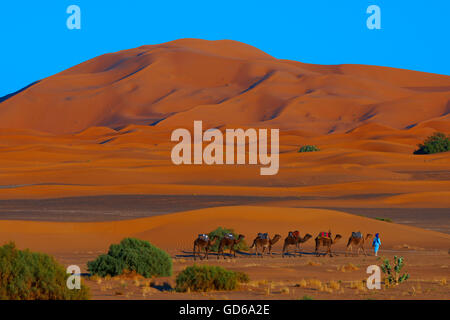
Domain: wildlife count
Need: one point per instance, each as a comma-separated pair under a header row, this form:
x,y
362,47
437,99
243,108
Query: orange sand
x,y
86,131
175,232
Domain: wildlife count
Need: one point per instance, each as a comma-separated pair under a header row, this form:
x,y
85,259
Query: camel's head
x,y
369,236
276,237
337,237
241,236
307,237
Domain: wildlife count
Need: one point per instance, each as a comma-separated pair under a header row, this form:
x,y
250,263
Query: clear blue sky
x,y
35,42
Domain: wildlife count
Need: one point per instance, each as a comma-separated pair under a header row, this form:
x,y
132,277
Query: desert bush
x,y
392,274
132,255
308,148
220,232
438,142
26,275
207,278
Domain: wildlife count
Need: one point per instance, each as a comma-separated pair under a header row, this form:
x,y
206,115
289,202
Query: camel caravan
x,y
263,244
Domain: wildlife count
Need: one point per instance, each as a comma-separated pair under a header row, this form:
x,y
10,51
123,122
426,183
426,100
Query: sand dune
x,y
224,83
175,232
103,128
370,160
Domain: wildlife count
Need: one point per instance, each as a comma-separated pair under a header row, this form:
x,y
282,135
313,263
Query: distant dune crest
x,y
225,83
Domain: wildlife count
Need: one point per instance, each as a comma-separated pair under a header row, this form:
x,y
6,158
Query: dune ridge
x,y
177,231
103,127
225,83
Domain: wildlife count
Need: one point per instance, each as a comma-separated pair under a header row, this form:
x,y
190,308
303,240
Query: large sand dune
x,y
103,128
224,83
175,232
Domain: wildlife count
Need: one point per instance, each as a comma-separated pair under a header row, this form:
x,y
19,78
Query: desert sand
x,y
85,158
77,243
103,128
176,232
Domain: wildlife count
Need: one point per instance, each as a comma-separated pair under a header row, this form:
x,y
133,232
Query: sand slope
x,y
175,232
225,83
103,128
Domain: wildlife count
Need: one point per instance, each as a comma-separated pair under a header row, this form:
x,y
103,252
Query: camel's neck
x,y
301,240
274,240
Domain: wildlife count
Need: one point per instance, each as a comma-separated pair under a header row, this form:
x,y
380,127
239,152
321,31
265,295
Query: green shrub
x,y
220,232
438,142
207,278
26,275
392,274
308,148
132,255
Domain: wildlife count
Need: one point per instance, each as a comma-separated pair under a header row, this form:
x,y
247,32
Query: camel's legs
x,y
351,249
195,249
364,250
299,249
287,250
263,250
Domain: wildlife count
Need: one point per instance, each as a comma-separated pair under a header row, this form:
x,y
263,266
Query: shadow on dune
x,y
190,254
4,98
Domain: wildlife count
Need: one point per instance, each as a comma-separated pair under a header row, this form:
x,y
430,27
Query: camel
x,y
357,242
326,242
201,243
292,240
225,241
265,243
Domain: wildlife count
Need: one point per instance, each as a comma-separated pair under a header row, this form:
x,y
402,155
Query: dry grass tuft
x,y
285,290
315,283
313,263
262,282
327,289
348,267
334,285
146,291
302,284
358,285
